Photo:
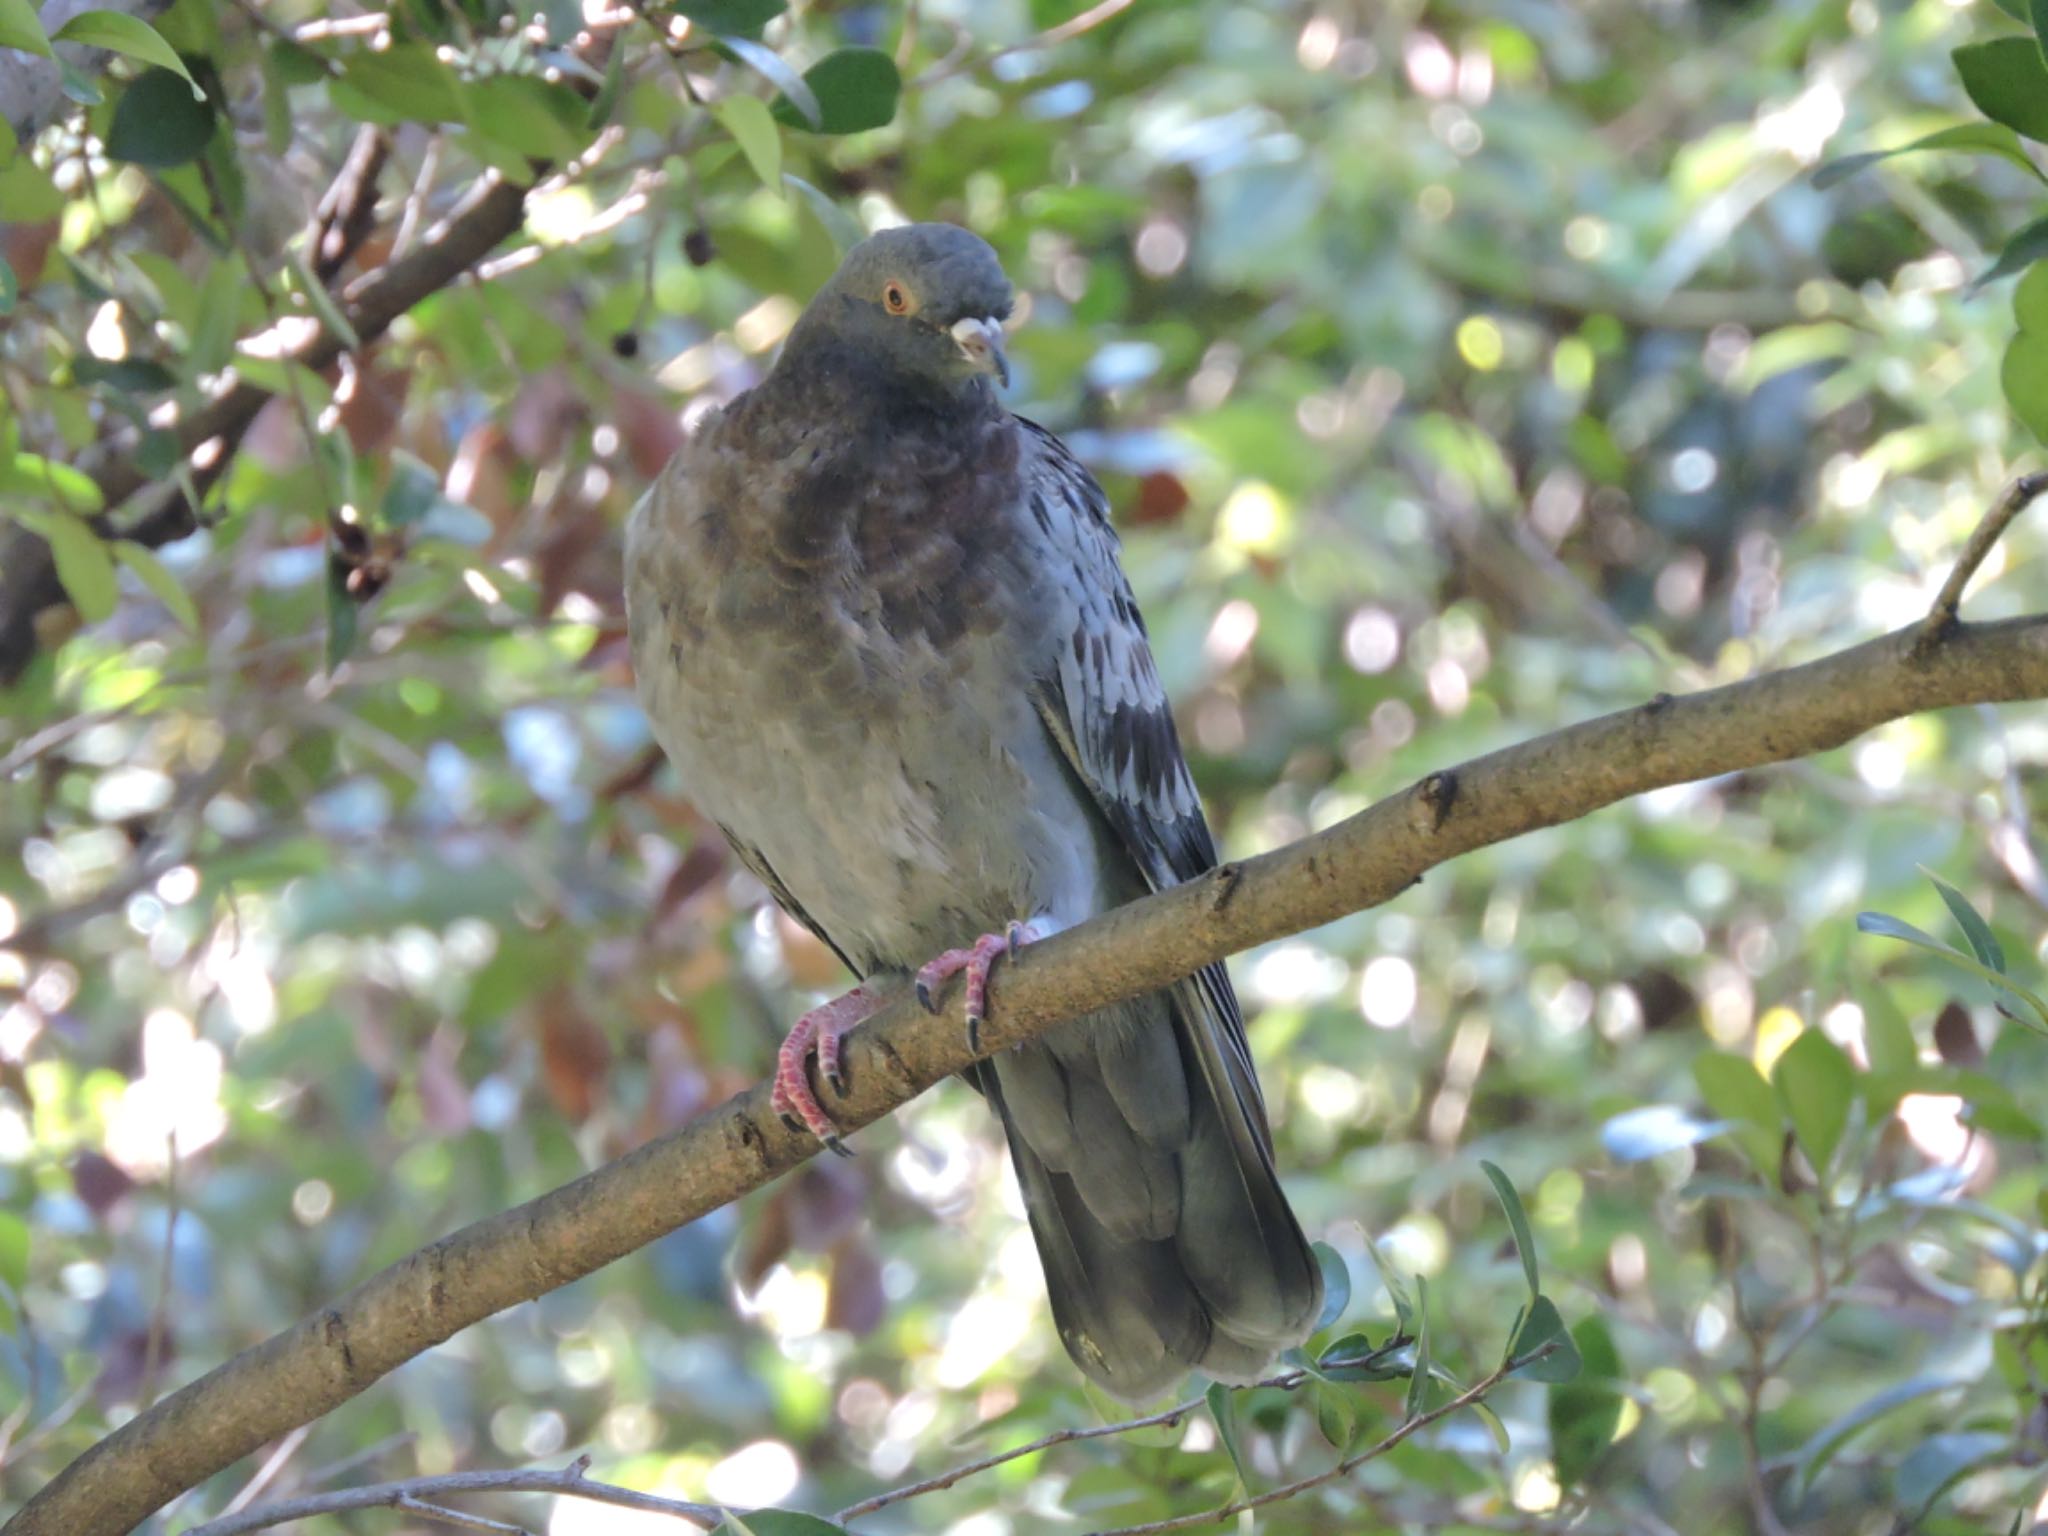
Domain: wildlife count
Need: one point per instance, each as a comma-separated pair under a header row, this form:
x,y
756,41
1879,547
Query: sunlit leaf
x,y
1518,1222
1585,1412
2008,80
1886,926
83,566
1983,944
854,89
1989,138
119,32
403,83
731,18
1336,1284
165,587
1816,1082
797,95
1222,1402
1543,1331
1336,1419
21,28
753,128
159,123
1939,1462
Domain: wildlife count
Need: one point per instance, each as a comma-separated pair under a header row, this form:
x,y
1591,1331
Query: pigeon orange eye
x,y
895,300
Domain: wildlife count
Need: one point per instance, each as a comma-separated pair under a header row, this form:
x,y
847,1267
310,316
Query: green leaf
x,y
76,85
1884,925
162,585
8,287
1359,1347
1585,1413
2008,80
1518,1222
157,122
129,375
855,89
344,619
8,143
2040,28
1336,1284
1989,138
529,116
21,28
1404,1309
1982,942
1735,1090
118,32
1418,1384
1939,1462
83,566
2023,376
1494,1427
32,475
27,193
14,1247
1336,1419
731,18
404,83
321,302
1887,1036
1543,1326
1816,1082
753,128
1222,1403
2030,300
2026,247
842,228
779,1522
776,70
607,98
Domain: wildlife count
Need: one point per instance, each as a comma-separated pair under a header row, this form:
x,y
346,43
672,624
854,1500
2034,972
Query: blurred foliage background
x,y
1457,372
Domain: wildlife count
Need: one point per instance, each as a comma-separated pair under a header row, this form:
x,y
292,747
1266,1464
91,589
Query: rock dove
x,y
879,628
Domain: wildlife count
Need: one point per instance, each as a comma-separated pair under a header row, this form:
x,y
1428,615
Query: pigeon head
x,y
925,300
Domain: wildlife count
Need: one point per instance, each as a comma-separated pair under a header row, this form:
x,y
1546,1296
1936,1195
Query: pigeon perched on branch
x,y
880,629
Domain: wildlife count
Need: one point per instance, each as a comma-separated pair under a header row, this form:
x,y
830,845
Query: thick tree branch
x,y
740,1146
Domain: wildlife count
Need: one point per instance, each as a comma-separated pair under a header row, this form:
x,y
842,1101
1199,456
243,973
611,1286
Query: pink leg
x,y
977,960
821,1028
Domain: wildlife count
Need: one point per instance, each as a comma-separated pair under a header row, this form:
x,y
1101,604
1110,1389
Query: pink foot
x,y
977,960
821,1028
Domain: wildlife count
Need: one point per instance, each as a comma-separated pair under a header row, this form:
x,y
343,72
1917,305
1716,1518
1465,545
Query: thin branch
x,y
1348,1465
424,1496
1368,859
456,1517
1286,1380
2020,495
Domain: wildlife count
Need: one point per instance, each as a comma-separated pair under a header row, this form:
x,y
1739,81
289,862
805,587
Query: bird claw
x,y
818,1031
976,960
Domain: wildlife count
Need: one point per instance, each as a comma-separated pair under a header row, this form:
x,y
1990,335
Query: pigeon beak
x,y
981,343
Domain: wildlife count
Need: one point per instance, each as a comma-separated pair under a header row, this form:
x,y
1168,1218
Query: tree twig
x,y
1285,1380
1349,1464
2020,495
423,1496
1370,858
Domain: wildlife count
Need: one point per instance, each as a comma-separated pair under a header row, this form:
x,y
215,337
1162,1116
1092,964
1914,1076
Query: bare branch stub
x,y
1941,620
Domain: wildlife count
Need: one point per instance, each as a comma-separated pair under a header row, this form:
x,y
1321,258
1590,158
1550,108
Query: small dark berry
x,y
625,344
698,247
